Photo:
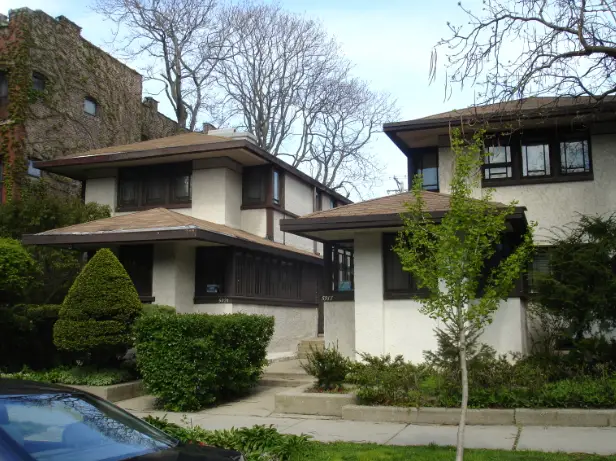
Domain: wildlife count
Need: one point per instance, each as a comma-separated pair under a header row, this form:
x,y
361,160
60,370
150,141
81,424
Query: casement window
x,y
90,106
235,274
167,186
138,260
397,283
342,268
539,266
318,200
211,270
537,157
332,202
425,162
38,81
262,187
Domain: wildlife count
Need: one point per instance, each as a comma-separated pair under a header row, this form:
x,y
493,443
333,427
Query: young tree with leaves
x,y
449,258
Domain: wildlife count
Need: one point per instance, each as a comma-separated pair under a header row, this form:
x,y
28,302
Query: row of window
x,y
39,81
521,158
154,185
227,271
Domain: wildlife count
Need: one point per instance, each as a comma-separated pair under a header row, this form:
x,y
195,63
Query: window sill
x,y
147,299
222,299
532,181
169,206
406,295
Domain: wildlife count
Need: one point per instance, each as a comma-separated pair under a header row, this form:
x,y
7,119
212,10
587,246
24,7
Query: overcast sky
x,y
389,41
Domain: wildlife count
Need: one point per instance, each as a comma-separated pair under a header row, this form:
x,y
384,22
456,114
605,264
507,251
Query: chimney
x,y
207,127
69,25
150,102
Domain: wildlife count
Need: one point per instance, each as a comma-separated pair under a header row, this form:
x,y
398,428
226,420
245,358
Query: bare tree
x,y
515,48
288,84
185,40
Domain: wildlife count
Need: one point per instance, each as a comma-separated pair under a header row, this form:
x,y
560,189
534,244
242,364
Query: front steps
x,y
303,348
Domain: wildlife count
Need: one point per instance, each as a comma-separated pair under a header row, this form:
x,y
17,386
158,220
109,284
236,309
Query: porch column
x,y
369,329
173,278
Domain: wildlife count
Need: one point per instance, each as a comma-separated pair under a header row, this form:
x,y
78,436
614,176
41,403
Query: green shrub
x,y
328,366
257,443
151,309
99,310
383,381
18,271
41,350
87,376
193,360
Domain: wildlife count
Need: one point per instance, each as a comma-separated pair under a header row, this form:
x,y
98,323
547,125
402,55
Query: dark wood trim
x,y
70,240
222,299
187,149
269,224
394,295
259,206
575,177
147,299
360,221
169,206
338,296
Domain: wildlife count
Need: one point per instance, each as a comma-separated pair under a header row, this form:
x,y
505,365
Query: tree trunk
x,y
461,426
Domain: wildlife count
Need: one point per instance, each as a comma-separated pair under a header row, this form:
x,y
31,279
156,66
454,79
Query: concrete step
x,y
307,345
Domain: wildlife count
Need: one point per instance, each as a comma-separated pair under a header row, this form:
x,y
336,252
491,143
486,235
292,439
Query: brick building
x,y
61,95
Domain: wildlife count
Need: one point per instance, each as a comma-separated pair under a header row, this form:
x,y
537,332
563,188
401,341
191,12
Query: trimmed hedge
x,y
192,360
150,309
99,310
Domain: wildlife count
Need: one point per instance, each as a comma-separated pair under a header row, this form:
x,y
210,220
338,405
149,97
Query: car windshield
x,y
67,427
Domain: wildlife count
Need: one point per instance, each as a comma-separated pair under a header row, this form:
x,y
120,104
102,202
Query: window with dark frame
x,y
156,185
537,157
540,265
138,260
318,200
498,162
90,106
211,265
254,186
397,283
332,202
426,164
276,187
342,268
38,81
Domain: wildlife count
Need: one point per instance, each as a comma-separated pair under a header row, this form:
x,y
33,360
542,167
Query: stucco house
x,y
195,223
556,157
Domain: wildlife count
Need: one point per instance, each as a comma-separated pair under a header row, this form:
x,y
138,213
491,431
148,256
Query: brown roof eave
x,y
85,160
111,238
302,225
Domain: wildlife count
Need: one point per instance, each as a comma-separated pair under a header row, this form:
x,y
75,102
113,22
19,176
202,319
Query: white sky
x,y
389,41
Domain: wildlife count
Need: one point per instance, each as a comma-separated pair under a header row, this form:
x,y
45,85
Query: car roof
x,y
21,387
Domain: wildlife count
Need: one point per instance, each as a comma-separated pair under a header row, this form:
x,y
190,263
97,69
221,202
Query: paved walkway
x,y
258,409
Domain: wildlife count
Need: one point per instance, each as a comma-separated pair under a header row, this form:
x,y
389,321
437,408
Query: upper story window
x,y
262,187
332,202
4,94
90,106
426,164
318,200
38,81
152,186
276,187
536,157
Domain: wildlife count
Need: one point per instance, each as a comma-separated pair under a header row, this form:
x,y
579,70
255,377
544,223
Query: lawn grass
x,y
372,452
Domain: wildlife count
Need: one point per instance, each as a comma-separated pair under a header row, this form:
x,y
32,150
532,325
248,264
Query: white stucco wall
x,y
173,276
254,221
339,326
557,204
233,198
369,317
103,191
298,196
292,324
290,239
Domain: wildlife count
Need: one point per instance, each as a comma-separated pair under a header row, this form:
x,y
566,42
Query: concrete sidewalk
x,y
550,439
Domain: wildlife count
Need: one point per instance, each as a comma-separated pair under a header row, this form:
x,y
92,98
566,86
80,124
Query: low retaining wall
x,y
298,401
115,392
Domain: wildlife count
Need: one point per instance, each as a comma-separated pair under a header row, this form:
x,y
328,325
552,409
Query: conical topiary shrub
x,y
98,311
